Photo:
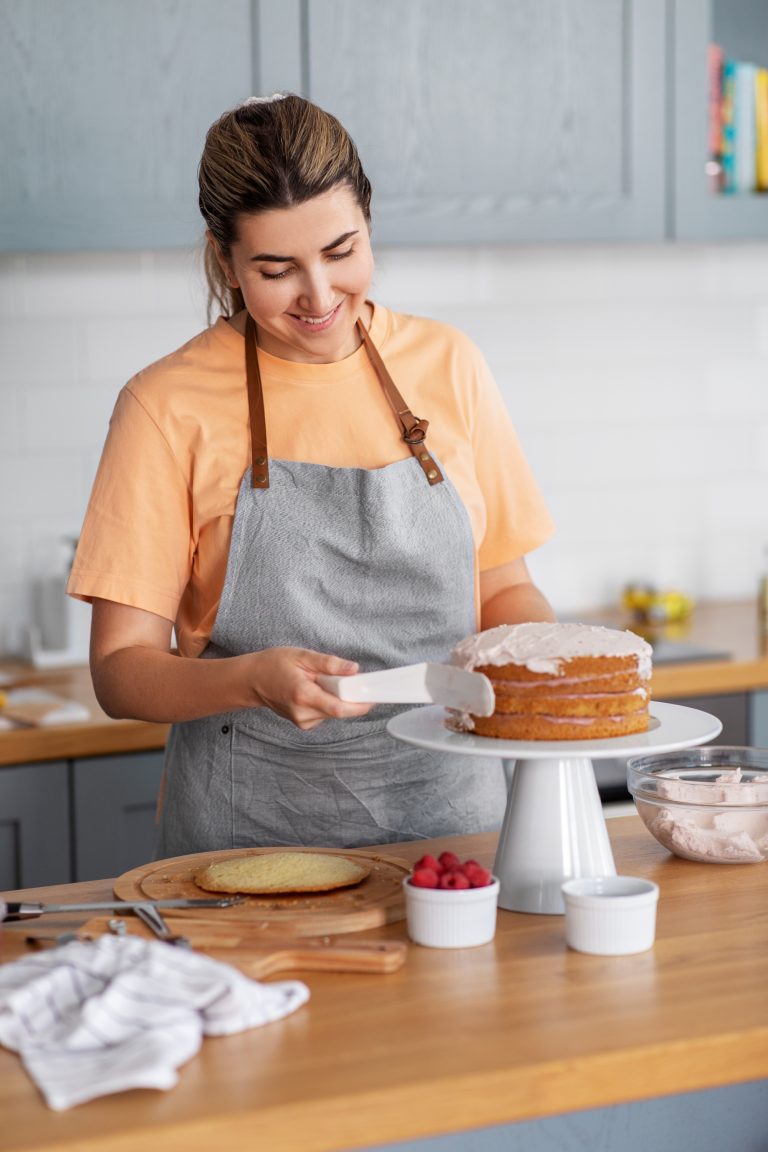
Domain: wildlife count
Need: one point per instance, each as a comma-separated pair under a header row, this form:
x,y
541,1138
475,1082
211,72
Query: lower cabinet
x,y
744,717
34,825
732,710
114,805
78,819
758,719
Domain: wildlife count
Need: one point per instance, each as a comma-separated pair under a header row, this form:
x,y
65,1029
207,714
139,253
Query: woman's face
x,y
304,273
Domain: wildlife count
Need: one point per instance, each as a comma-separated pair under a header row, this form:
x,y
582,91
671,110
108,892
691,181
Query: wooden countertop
x,y
456,1039
730,626
98,736
726,626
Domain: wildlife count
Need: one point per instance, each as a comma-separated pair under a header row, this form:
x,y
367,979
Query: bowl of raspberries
x,y
450,903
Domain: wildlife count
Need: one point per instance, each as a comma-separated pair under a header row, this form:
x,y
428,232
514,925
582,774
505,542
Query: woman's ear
x,y
221,259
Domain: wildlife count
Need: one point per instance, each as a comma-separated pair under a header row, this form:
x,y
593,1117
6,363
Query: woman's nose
x,y
316,297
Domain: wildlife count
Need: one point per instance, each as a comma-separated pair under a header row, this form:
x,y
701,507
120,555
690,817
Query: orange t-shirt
x,y
157,530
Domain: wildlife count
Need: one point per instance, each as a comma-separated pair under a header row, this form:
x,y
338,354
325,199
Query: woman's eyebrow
x,y
272,259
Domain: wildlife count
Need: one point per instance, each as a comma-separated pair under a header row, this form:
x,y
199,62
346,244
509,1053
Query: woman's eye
x,y
341,255
275,275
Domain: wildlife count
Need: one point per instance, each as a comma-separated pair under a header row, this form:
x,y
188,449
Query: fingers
x,y
285,681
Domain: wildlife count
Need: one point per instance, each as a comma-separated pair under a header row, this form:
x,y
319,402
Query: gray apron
x,y
372,565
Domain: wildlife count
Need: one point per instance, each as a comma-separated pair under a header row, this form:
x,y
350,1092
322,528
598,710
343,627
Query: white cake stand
x,y
554,827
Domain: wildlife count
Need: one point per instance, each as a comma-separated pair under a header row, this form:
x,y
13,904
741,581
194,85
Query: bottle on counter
x,y
762,594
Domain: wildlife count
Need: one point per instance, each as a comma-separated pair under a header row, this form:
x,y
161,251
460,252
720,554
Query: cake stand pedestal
x,y
554,827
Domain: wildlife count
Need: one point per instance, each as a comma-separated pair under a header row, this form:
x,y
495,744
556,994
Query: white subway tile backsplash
x,y
45,485
65,417
115,349
636,376
37,351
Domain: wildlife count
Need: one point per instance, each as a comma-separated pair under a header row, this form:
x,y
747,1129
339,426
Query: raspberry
x,y
478,876
454,880
428,862
449,861
472,864
425,878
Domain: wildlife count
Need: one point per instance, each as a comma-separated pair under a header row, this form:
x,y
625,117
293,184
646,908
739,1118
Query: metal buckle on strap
x,y
417,433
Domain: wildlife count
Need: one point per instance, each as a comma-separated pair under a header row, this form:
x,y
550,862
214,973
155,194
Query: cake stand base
x,y
553,829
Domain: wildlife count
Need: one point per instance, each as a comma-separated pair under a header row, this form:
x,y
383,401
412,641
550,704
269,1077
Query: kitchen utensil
x,y
705,804
24,911
259,954
451,918
376,900
150,916
62,938
610,915
417,684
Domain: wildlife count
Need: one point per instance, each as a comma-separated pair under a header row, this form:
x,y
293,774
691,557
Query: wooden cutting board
x,y
258,955
376,900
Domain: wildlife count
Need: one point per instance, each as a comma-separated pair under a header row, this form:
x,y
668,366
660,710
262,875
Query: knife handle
x,y
14,910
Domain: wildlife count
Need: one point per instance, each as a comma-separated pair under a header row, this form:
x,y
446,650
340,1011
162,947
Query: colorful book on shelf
x,y
745,145
728,111
761,128
715,133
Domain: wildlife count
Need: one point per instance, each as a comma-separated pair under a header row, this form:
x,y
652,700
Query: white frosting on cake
x,y
544,647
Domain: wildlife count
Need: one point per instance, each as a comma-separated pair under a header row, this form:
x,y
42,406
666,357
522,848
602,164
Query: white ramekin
x,y
610,915
451,918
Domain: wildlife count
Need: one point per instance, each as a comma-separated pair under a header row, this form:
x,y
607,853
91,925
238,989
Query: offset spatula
x,y
21,911
416,684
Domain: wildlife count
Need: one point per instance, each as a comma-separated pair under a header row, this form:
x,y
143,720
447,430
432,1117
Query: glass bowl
x,y
708,804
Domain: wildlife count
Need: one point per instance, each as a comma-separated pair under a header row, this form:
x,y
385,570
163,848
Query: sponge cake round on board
x,y
281,872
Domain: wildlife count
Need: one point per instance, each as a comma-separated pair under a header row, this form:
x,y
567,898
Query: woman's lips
x,y
316,323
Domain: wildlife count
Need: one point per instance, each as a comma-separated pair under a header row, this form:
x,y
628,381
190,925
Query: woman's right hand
x,y
285,680
136,674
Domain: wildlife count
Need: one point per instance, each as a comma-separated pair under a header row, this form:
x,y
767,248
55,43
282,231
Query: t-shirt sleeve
x,y
136,545
517,518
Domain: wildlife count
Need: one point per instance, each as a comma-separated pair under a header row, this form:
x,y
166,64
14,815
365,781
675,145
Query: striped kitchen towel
x,y
92,1018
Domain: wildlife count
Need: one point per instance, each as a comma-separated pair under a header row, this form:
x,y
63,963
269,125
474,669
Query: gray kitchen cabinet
x,y
741,29
732,709
114,804
104,107
34,825
758,719
744,717
490,121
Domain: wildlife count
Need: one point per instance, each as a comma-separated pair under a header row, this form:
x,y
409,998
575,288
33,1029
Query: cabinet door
x,y
104,106
741,28
34,826
758,720
732,710
115,798
496,120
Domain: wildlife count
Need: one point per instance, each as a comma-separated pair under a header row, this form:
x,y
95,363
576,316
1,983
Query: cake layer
x,y
558,728
602,704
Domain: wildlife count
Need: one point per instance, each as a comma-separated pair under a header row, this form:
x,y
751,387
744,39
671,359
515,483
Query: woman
x,y
267,491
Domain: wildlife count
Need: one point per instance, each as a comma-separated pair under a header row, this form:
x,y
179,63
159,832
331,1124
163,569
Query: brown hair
x,y
268,154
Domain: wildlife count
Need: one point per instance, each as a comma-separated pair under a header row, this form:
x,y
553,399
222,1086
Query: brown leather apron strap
x,y
414,430
259,457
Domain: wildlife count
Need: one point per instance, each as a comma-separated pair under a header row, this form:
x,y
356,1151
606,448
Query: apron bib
x,y
373,565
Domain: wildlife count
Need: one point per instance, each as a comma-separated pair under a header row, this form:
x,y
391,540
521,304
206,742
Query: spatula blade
x,y
428,683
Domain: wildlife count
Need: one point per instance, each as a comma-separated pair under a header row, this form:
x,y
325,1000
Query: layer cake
x,y
559,681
